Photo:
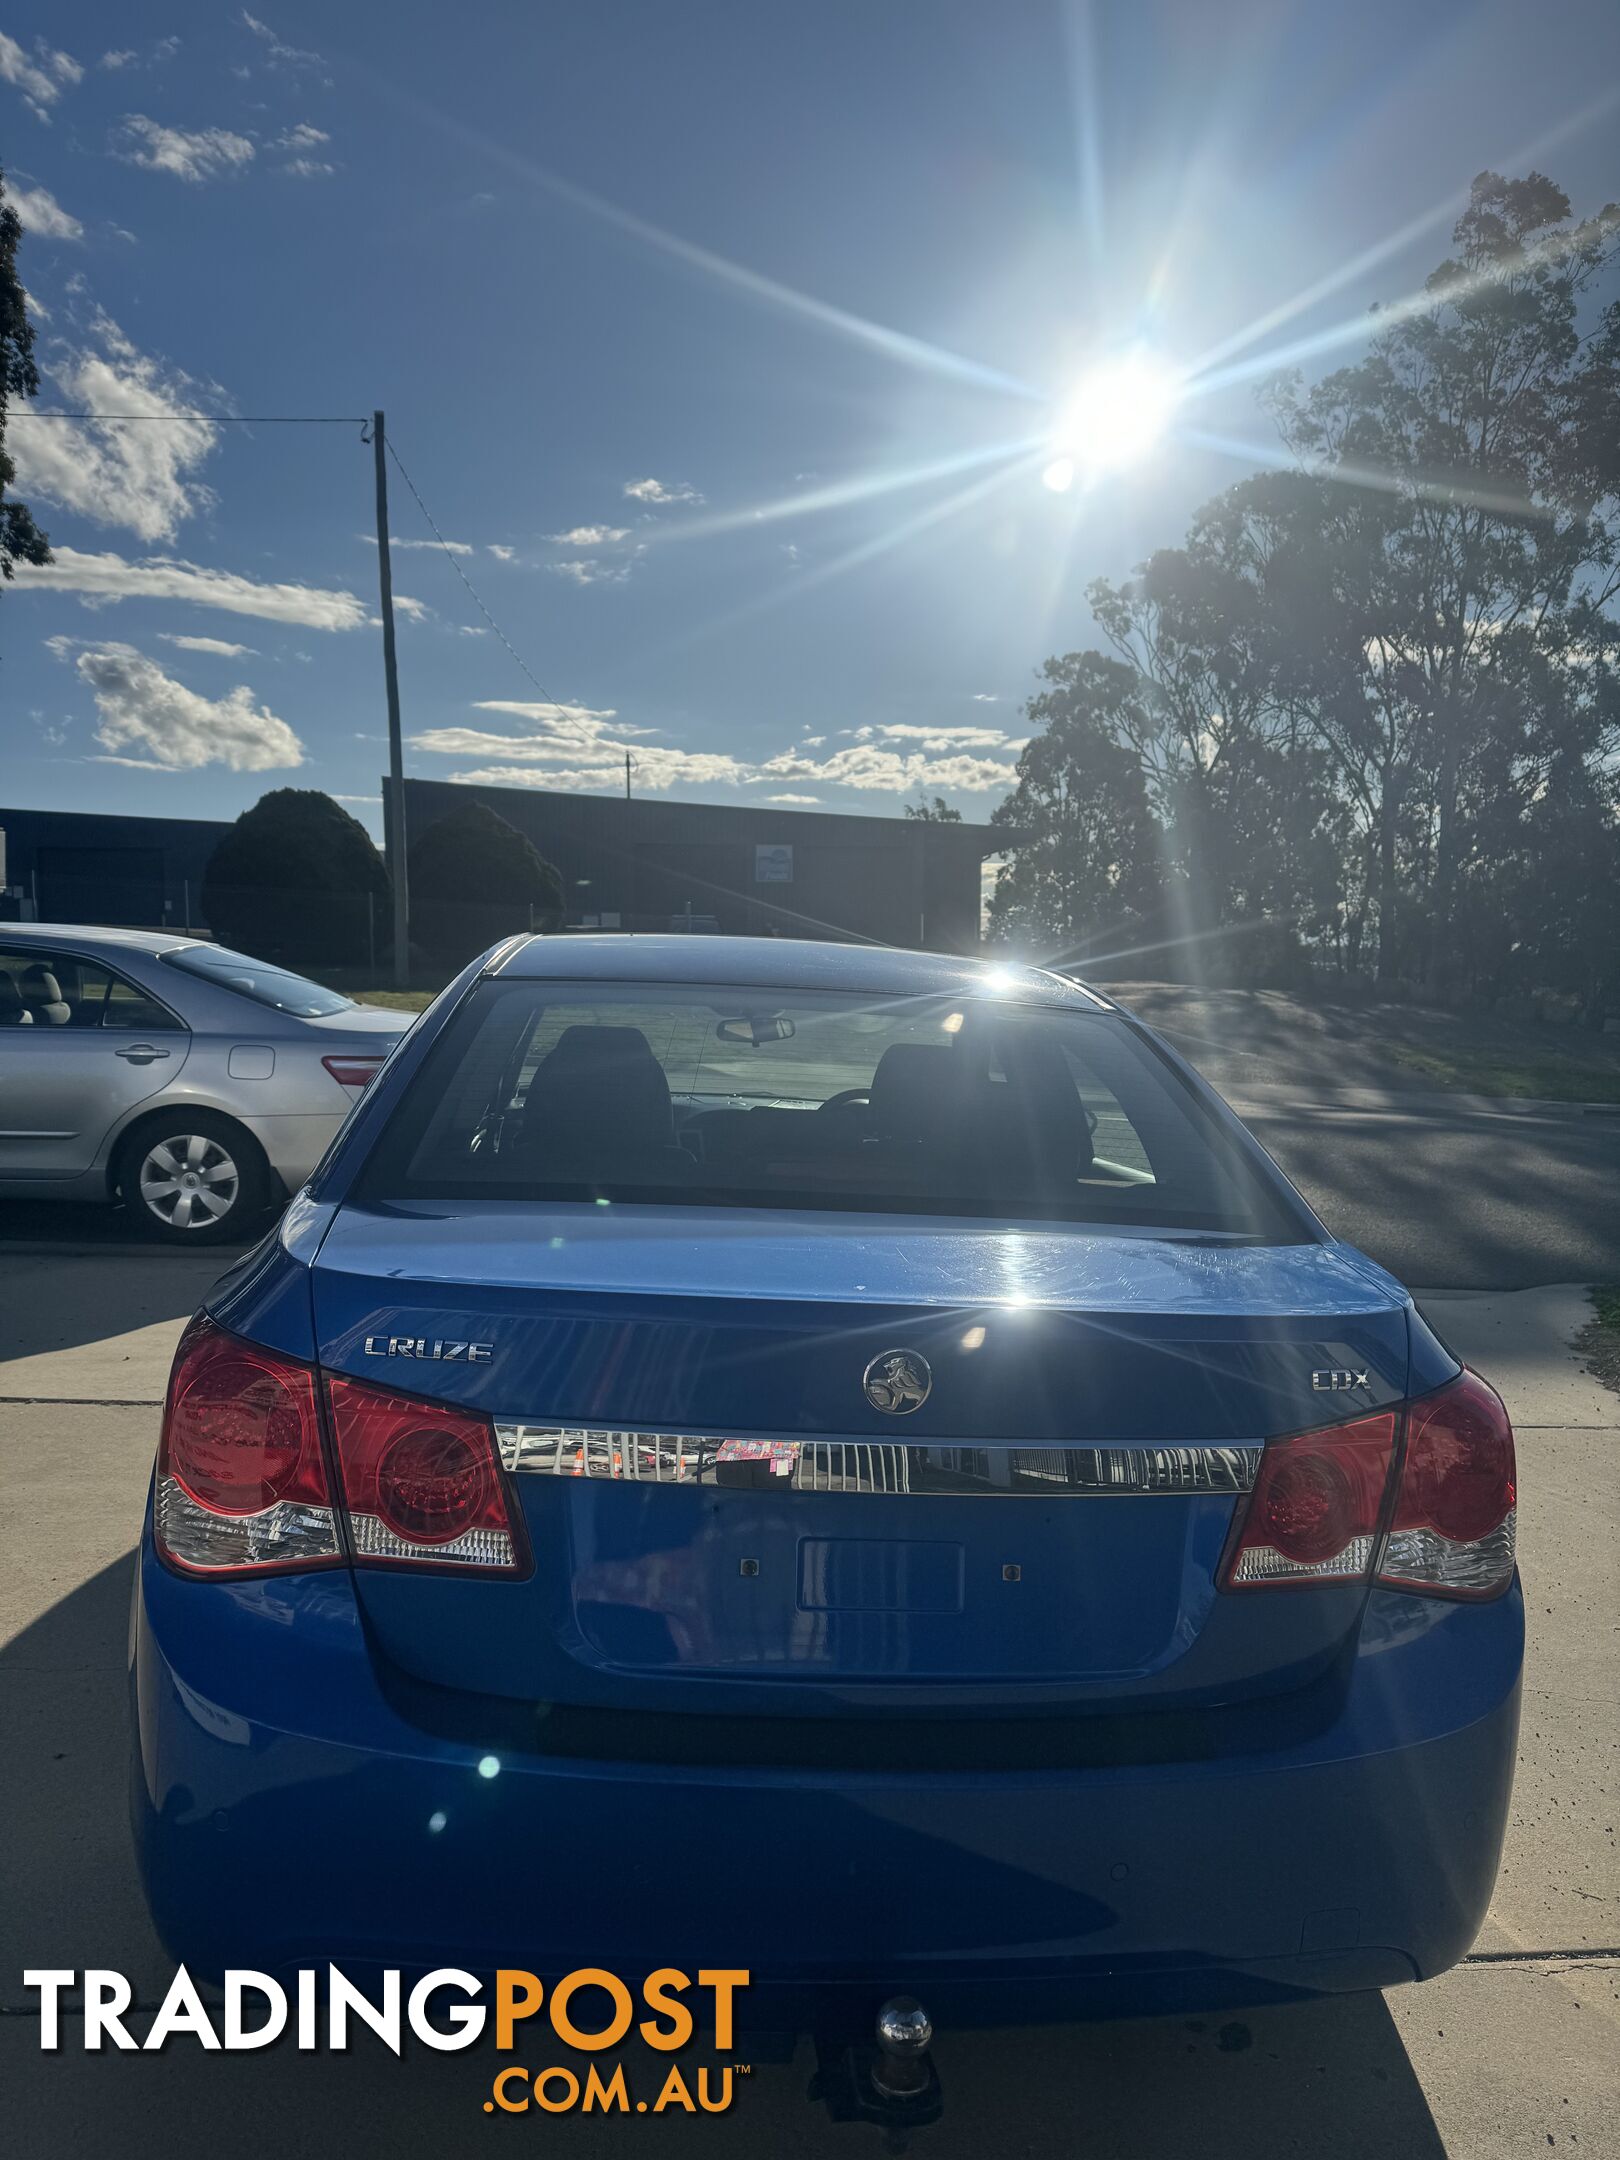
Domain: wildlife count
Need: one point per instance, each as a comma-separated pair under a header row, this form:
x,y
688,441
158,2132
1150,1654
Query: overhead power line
x,y
455,564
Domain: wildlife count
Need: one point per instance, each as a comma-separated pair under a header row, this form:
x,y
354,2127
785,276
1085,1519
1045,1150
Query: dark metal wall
x,y
136,873
899,881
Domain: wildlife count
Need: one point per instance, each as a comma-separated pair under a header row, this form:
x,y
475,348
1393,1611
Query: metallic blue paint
x,y
1103,1786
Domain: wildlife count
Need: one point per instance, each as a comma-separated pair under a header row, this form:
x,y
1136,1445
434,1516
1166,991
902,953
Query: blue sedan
x,y
843,1463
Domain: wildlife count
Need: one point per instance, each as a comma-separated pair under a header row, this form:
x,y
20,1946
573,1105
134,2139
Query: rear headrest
x,y
600,1087
915,1095
1032,1124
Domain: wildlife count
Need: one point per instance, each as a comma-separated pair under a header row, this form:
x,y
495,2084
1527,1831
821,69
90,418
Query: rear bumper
x,y
287,1813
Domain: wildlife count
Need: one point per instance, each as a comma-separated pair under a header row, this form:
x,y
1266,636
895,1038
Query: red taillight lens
x,y
1315,1511
353,1071
1453,1530
241,1476
421,1482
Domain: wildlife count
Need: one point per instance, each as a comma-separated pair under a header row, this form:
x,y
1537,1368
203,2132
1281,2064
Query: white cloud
x,y
192,155
41,79
943,738
591,536
580,748
589,571
395,543
281,55
139,477
661,492
41,213
502,554
222,646
302,140
99,579
149,719
161,49
987,697
889,772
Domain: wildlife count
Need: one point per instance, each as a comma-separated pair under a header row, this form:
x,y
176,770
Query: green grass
x,y
1496,1072
398,1000
1606,1301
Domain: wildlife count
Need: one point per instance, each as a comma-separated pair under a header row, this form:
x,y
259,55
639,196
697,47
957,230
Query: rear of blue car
x,y
840,1465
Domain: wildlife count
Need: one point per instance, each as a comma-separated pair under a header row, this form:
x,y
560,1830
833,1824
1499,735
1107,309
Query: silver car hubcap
x,y
189,1181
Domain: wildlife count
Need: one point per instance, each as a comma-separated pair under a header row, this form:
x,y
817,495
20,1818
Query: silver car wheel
x,y
189,1180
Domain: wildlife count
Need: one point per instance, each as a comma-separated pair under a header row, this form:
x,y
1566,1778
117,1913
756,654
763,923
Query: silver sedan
x,y
196,1085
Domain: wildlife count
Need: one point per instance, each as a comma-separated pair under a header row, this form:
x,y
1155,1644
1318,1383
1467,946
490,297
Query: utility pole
x,y
629,852
394,836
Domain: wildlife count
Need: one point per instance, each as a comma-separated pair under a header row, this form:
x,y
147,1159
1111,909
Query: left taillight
x,y
242,1485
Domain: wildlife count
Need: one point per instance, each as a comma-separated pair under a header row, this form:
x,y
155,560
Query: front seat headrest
x,y
42,993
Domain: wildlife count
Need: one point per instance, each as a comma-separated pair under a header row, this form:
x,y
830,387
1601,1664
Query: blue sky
x,y
723,337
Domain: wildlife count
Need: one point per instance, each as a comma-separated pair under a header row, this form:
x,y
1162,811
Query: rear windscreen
x,y
697,1095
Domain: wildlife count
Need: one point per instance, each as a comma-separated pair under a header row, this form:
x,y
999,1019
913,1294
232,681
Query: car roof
x,y
49,933
785,964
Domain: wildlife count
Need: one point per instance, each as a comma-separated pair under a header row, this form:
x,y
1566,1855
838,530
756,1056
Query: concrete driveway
x,y
1511,2054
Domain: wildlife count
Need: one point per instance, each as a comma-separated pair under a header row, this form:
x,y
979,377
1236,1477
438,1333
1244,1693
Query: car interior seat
x,y
13,1012
598,1109
42,994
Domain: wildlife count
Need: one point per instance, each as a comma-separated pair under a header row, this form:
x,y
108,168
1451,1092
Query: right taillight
x,y
1316,1508
1322,1511
1452,1533
422,1483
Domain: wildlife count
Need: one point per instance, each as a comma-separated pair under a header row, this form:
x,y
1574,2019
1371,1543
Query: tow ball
x,y
889,2080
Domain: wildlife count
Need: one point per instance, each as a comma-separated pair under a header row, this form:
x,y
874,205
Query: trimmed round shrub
x,y
298,881
475,878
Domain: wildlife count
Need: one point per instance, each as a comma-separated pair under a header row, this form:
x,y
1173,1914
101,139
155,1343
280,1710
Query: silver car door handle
x,y
140,1053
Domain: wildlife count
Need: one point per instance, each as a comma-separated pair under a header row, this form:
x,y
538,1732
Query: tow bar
x,y
890,2080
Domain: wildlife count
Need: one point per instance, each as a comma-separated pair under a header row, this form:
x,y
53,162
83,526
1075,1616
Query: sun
x,y
1115,415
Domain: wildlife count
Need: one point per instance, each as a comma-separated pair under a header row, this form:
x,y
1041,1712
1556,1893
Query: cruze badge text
x,y
421,1346
1334,1382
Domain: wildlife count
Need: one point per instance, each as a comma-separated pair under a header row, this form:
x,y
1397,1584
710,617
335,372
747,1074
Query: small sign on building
x,y
773,863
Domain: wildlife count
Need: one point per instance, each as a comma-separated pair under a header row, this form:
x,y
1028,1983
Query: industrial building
x,y
643,864
746,869
141,873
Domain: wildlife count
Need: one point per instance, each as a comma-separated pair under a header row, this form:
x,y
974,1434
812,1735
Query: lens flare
x,y
1118,411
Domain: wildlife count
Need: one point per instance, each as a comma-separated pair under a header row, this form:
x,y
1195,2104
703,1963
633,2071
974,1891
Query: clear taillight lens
x,y
1452,1533
241,1476
1316,1509
422,1482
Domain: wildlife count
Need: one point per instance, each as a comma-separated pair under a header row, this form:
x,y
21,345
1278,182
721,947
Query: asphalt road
x,y
1501,1199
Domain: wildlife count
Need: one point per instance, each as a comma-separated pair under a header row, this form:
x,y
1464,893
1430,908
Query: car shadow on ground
x,y
1331,2078
60,1293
